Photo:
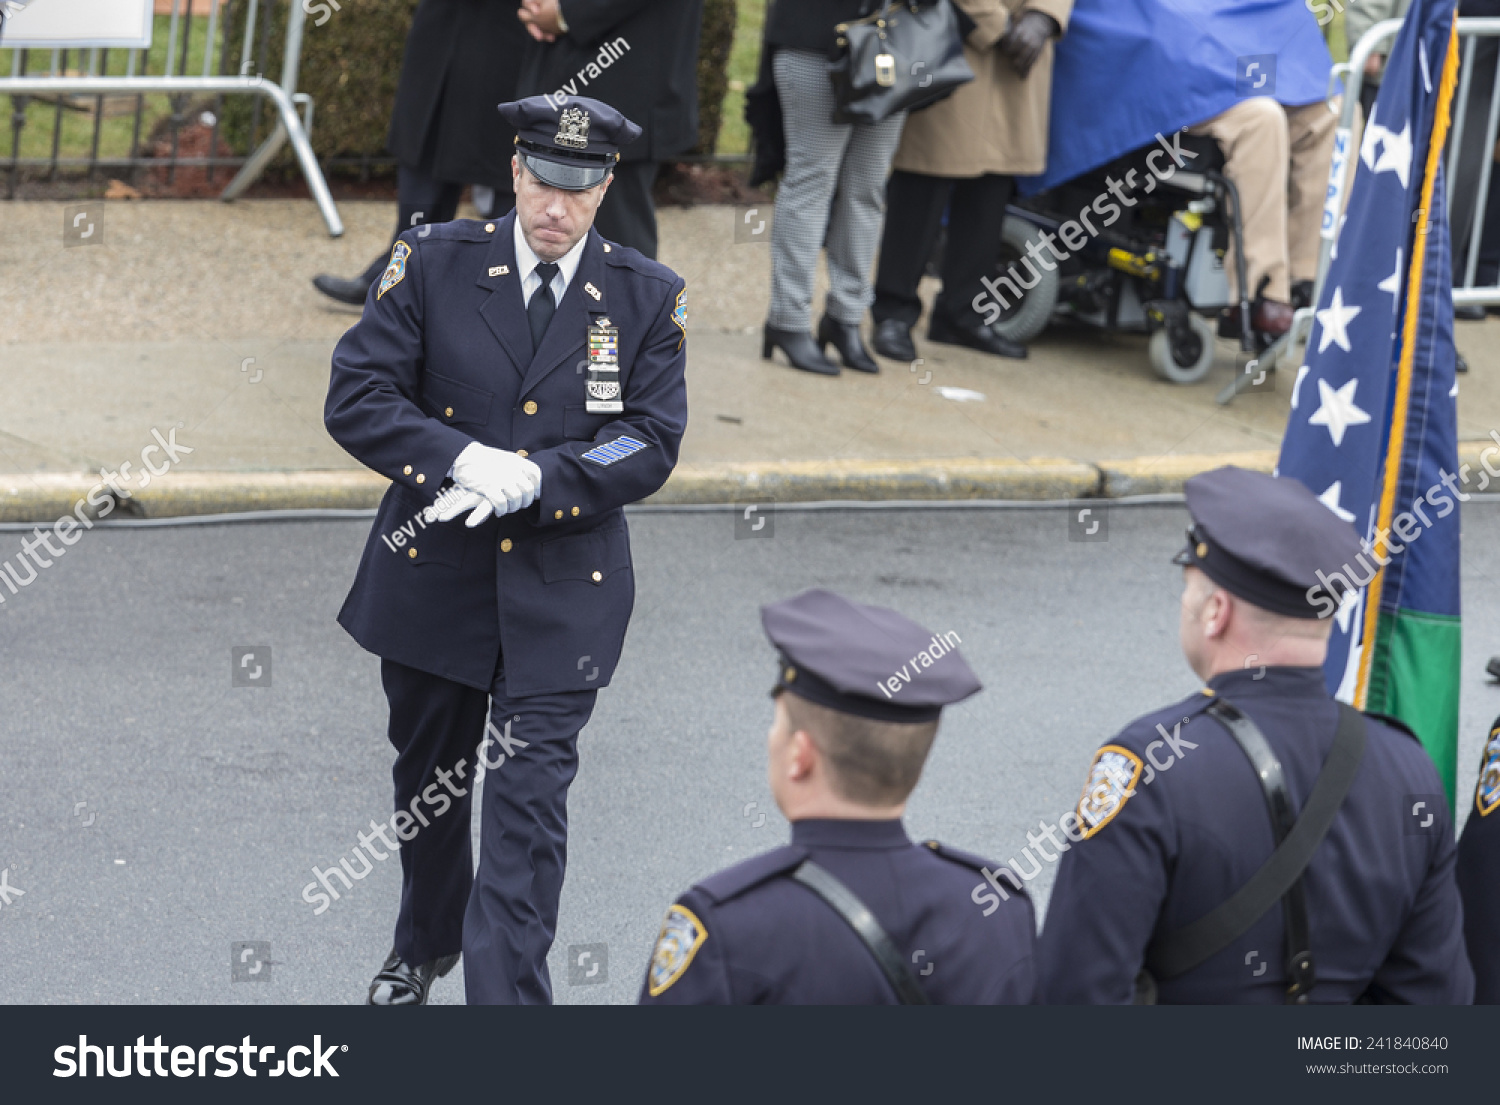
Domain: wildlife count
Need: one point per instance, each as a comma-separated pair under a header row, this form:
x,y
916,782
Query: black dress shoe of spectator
x,y
800,349
844,336
1469,312
352,292
399,983
1459,363
975,335
893,339
1493,667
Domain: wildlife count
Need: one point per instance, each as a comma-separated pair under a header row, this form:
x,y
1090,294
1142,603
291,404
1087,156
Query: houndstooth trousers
x,y
833,186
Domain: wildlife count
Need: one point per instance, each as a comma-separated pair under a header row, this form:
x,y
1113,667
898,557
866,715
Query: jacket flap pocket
x,y
454,402
592,556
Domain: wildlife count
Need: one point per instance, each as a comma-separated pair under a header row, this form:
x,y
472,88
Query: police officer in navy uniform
x,y
1174,819
1479,875
858,696
533,373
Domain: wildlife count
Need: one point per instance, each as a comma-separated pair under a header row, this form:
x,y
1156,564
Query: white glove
x,y
453,502
510,482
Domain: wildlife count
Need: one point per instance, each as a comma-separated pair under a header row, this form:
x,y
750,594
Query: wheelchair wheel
x,y
1027,317
1186,356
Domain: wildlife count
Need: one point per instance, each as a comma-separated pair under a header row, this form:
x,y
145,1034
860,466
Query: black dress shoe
x,y
975,335
1493,667
1469,312
893,339
399,983
1460,364
844,336
352,292
800,349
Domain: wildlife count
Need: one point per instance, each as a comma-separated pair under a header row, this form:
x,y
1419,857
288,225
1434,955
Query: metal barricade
x,y
214,79
1350,76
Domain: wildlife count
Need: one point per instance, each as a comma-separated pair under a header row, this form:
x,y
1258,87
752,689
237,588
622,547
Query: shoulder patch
x,y
733,881
679,312
1112,779
395,272
682,934
611,451
1487,794
959,856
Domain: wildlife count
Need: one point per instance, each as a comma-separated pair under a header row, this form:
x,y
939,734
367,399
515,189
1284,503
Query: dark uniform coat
x,y
751,935
442,357
1383,908
461,61
651,77
1479,875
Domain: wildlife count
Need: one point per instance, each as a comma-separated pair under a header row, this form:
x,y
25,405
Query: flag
x,y
1134,69
1373,425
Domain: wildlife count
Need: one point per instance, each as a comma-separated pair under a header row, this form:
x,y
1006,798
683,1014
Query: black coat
x,y
651,77
808,24
441,357
462,59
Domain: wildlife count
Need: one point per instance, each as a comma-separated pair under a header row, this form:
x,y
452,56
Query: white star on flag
x,y
1297,387
1337,410
1335,319
1395,150
1392,283
1347,607
1330,499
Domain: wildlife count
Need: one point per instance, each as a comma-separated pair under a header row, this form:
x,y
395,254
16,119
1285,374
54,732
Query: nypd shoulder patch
x,y
1487,796
395,272
679,316
611,451
1112,780
682,934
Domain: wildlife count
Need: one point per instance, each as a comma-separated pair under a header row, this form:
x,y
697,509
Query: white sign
x,y
72,24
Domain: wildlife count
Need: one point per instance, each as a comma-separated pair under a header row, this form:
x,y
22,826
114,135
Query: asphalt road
x,y
155,816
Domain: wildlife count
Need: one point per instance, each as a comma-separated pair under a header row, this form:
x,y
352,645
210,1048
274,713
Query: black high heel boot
x,y
844,337
800,349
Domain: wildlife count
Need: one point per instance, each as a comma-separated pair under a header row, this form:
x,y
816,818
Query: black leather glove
x,y
1022,43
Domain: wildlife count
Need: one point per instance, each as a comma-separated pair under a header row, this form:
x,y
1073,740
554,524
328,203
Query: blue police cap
x,y
865,660
569,142
1266,540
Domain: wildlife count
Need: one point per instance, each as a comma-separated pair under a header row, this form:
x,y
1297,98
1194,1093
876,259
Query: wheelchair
x,y
1158,268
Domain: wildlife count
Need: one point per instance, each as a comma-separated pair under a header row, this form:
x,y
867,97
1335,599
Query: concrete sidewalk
x,y
198,317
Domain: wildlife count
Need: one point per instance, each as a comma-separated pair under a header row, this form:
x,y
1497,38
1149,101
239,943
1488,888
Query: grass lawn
x,y
734,135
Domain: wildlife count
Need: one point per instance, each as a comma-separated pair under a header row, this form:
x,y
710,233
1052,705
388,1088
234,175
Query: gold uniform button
x,y
421,478
449,412
558,515
522,453
598,576
505,545
1201,550
530,407
489,228
412,552
575,512
791,674
406,471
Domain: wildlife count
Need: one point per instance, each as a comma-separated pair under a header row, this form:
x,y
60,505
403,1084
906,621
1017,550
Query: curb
x,y
45,497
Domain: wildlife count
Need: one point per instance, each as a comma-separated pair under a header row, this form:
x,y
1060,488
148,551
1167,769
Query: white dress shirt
x,y
527,261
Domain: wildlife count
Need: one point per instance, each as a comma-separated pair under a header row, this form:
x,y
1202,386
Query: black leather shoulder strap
x,y
857,915
1280,876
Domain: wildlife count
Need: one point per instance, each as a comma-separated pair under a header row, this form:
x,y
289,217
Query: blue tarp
x,y
1128,70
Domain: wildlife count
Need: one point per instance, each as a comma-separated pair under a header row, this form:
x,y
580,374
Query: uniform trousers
x,y
504,917
833,190
914,213
1278,158
628,213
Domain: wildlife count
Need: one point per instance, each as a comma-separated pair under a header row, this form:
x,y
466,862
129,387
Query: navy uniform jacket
x,y
1479,875
1382,905
442,357
751,935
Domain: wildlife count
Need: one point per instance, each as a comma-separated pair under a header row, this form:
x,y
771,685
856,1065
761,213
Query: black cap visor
x,y
572,174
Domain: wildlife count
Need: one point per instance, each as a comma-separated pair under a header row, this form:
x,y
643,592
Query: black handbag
x,y
902,58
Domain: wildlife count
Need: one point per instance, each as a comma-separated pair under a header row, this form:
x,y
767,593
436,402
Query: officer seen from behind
x,y
852,912
1479,874
1171,893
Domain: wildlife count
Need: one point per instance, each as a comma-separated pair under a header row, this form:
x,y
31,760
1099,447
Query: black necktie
x,y
540,310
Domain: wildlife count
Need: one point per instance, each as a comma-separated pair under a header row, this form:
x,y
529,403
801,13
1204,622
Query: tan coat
x,y
997,123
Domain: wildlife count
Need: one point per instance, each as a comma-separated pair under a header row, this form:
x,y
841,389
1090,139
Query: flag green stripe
x,y
1414,676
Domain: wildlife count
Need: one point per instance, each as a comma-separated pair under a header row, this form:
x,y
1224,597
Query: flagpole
x,y
1397,440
